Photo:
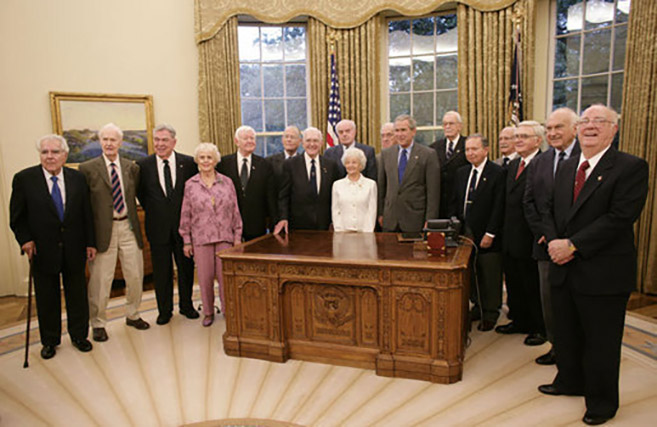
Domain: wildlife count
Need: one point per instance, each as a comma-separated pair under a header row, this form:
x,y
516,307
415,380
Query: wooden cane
x,y
29,318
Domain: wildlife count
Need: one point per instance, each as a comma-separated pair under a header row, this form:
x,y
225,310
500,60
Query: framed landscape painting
x,y
79,116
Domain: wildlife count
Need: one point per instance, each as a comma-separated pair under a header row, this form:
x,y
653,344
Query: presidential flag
x,y
334,111
515,97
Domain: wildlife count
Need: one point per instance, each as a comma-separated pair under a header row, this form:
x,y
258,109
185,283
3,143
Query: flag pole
x,y
334,108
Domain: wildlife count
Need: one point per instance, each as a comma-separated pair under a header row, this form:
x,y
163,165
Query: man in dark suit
x,y
50,216
304,202
252,177
113,183
478,202
451,156
561,132
598,196
507,145
162,178
408,183
291,141
347,135
520,269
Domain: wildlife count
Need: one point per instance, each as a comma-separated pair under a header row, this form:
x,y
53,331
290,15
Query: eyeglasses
x,y
524,136
596,122
53,152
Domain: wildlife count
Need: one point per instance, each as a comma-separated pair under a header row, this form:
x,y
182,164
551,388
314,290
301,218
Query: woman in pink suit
x,y
209,222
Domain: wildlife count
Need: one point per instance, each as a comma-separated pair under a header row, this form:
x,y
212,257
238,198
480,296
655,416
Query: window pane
x,y
295,80
599,13
296,113
594,91
566,56
422,36
274,145
273,80
399,39
295,43
569,16
616,101
272,46
260,146
446,71
445,101
564,94
447,34
399,104
250,80
249,43
423,73
622,10
400,75
425,137
423,108
274,115
252,114
595,58
620,38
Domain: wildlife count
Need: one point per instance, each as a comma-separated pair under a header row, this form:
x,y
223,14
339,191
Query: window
x,y
273,82
422,71
589,53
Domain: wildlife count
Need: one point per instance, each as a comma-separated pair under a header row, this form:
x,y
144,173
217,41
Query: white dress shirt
x,y
60,183
353,204
108,164
160,171
318,172
240,161
593,161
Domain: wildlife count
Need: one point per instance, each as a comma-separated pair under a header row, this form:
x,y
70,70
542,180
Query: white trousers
x,y
124,245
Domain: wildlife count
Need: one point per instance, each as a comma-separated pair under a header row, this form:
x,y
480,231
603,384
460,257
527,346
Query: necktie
x,y
505,161
580,179
117,196
168,182
57,198
471,189
450,150
520,169
402,165
313,177
562,157
244,174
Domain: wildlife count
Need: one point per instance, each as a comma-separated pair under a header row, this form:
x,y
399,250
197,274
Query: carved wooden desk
x,y
356,299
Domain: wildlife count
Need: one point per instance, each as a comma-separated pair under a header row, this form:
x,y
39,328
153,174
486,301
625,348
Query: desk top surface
x,y
346,248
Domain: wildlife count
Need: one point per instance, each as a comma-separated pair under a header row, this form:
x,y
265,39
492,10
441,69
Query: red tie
x,y
520,169
580,179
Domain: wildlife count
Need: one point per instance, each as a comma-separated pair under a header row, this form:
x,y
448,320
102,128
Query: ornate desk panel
x,y
355,299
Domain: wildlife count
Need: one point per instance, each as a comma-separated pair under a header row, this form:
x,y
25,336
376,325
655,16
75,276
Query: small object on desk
x,y
436,242
410,237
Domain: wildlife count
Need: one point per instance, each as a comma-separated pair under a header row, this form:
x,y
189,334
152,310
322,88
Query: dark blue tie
x,y
402,165
57,198
313,177
471,191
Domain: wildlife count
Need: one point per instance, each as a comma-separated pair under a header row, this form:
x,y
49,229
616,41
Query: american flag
x,y
515,97
334,111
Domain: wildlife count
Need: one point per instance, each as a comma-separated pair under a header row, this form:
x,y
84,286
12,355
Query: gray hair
x,y
166,127
207,147
572,116
412,124
50,137
356,153
388,124
613,115
295,128
313,129
110,127
455,113
484,140
242,129
346,122
538,128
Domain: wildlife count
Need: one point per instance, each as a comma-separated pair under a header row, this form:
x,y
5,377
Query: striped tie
x,y
117,196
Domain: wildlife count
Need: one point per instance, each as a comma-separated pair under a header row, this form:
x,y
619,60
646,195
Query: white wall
x,y
118,46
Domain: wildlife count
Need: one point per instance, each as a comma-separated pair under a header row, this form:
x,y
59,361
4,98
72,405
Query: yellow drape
x,y
358,61
638,134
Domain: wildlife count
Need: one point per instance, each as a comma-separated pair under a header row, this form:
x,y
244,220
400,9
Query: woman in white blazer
x,y
353,202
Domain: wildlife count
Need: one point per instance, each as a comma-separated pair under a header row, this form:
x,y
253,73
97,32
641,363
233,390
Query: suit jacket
x,y
162,213
486,213
60,245
335,154
257,202
448,169
599,223
538,190
100,190
297,203
518,237
407,205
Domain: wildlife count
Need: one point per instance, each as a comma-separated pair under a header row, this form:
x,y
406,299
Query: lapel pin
x,y
599,177
483,179
417,157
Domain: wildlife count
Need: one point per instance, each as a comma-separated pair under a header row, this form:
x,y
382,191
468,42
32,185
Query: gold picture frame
x,y
79,116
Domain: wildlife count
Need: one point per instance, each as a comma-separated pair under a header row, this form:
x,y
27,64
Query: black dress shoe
x,y
190,313
509,328
594,420
138,323
486,325
535,339
163,319
48,352
548,358
83,345
553,390
99,334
